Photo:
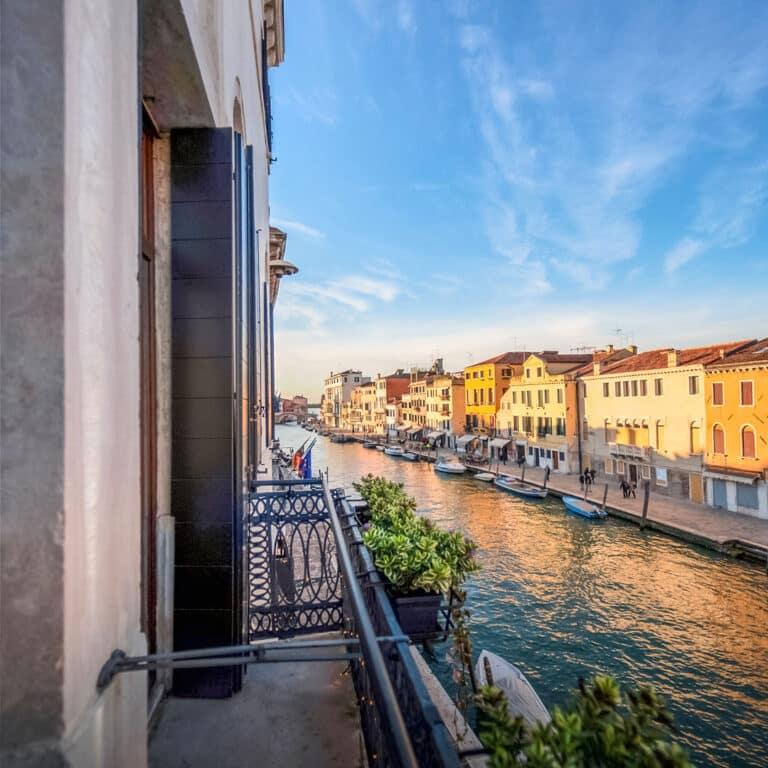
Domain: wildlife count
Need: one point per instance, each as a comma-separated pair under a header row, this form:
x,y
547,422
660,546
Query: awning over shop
x,y
434,435
465,440
499,442
735,476
414,430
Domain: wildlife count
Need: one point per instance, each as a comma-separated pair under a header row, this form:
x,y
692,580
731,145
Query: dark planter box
x,y
417,613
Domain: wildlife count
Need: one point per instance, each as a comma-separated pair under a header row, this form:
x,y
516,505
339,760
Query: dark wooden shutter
x,y
205,497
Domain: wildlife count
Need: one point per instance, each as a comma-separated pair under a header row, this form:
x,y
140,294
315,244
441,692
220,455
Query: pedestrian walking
x,y
592,474
623,486
634,489
581,480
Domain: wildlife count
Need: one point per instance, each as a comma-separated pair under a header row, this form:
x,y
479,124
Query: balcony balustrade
x,y
630,451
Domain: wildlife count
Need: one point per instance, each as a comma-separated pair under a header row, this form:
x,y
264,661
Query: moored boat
x,y
369,444
394,450
521,697
520,487
584,508
410,456
381,447
450,467
485,477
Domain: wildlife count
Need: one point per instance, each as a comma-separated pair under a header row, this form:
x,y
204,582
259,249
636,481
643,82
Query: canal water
x,y
564,597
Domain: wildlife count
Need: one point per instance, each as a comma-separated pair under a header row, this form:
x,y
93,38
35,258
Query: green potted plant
x,y
421,562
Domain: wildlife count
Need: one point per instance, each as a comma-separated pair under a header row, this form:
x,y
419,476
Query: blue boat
x,y
520,487
584,508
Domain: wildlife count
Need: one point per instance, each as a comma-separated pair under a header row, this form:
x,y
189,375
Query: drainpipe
x,y
578,423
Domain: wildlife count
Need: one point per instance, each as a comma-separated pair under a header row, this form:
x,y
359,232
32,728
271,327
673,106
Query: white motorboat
x,y
381,447
410,456
450,467
521,697
520,487
394,450
485,477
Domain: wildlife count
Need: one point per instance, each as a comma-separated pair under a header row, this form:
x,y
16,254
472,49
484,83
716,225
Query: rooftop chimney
x,y
673,358
609,348
722,353
597,368
632,349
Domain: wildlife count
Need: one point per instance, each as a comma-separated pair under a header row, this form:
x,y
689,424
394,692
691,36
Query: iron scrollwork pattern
x,y
294,582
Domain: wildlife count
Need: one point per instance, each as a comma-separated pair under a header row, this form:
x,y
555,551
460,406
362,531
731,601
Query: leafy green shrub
x,y
600,728
412,553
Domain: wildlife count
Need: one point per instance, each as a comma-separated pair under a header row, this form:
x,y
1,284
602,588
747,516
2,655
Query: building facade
x,y
388,387
643,418
538,412
445,408
337,391
133,253
736,458
484,385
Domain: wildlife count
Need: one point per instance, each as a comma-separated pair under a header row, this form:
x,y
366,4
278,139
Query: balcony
x,y
309,573
630,451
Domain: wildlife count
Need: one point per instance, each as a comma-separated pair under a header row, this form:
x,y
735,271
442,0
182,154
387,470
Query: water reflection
x,y
563,597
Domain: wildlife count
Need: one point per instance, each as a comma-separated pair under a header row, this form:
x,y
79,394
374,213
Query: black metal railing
x,y
432,743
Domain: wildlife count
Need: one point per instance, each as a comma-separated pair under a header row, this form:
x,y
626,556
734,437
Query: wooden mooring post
x,y
646,497
605,495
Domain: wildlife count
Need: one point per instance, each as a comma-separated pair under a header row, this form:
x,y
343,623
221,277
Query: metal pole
x,y
646,496
370,646
605,495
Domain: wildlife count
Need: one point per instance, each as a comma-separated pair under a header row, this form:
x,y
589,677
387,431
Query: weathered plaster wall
x,y
32,375
102,521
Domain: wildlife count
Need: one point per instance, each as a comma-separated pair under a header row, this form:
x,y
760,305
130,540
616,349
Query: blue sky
x,y
458,179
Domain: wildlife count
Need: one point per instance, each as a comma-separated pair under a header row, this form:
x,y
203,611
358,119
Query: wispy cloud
x,y
405,17
297,226
686,250
731,203
319,107
381,289
576,147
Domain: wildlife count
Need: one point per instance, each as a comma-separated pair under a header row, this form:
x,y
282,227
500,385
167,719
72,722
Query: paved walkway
x,y
725,531
287,714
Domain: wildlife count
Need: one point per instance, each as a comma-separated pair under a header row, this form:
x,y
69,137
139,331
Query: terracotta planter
x,y
417,612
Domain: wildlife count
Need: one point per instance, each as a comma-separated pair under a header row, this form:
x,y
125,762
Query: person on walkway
x,y
634,489
581,480
624,488
592,474
587,478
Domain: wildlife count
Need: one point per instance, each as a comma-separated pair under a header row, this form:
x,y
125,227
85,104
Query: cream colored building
x,y
538,413
643,418
445,408
388,387
337,391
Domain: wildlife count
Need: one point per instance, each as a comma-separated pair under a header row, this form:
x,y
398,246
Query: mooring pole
x,y
646,496
605,495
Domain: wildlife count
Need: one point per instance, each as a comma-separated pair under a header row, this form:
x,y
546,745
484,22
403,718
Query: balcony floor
x,y
286,714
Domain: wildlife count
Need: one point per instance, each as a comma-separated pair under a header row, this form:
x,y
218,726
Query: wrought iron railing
x,y
431,740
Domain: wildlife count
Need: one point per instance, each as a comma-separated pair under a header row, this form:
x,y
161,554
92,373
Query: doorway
x,y
555,460
696,489
632,473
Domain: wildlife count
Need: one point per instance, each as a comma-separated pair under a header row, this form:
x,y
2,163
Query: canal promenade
x,y
731,533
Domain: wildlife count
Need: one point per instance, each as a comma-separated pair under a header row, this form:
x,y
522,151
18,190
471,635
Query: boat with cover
x,y
369,444
485,477
520,487
584,508
522,699
410,456
381,447
450,467
394,450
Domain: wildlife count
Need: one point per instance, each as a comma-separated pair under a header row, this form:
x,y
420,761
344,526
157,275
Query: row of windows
x,y
746,440
526,397
544,425
746,393
478,396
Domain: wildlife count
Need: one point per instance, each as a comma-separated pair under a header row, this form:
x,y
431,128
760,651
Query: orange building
x,y
484,385
736,460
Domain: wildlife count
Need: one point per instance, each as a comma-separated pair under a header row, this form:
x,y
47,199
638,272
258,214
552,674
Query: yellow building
x,y
736,459
539,412
484,385
643,418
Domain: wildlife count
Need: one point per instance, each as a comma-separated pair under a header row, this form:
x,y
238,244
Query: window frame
x,y
751,383
742,431
718,426
722,393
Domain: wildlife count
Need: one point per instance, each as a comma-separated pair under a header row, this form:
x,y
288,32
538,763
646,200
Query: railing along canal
x,y
310,572
337,587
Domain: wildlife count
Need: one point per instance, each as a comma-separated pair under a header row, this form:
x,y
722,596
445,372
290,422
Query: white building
x,y
337,390
135,162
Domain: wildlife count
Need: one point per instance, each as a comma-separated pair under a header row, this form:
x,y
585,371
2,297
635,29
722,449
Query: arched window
x,y
659,435
718,439
695,437
747,442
